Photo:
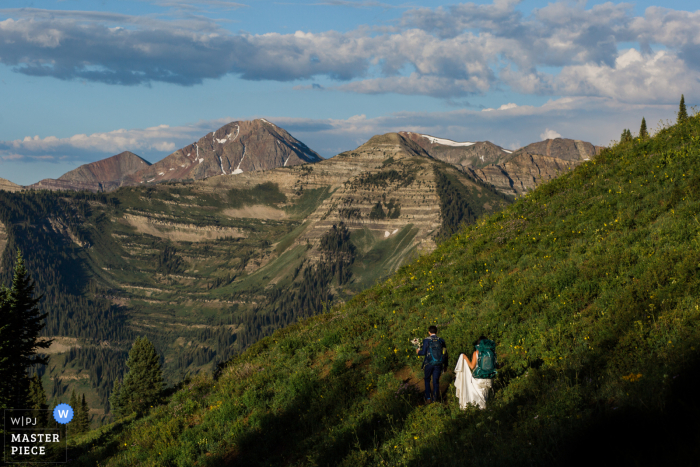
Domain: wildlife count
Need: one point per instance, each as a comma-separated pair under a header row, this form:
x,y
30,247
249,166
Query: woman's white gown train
x,y
470,390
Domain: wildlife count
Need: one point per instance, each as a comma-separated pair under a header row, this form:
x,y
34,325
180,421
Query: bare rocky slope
x,y
103,175
462,154
512,173
9,186
235,148
111,169
242,146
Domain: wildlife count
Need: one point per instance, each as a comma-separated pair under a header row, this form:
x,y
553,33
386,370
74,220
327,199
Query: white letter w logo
x,y
63,413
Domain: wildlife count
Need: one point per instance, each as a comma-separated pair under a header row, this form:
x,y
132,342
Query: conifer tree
x,y
682,112
83,417
37,400
643,133
116,403
626,136
143,384
73,428
5,345
20,325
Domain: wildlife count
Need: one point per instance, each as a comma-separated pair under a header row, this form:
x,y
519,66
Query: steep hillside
x,y
232,149
207,268
589,285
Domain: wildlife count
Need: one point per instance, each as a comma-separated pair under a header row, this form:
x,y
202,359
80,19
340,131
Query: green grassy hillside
x,y
589,286
204,269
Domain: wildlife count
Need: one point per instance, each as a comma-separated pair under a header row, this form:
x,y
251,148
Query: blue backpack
x,y
436,352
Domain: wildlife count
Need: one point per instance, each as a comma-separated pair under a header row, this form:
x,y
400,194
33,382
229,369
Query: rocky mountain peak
x,y
396,141
571,150
111,169
240,146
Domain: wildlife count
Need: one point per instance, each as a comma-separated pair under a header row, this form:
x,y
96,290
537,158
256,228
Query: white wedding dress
x,y
470,390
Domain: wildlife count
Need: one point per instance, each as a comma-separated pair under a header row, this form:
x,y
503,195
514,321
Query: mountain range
x,y
246,146
232,149
245,238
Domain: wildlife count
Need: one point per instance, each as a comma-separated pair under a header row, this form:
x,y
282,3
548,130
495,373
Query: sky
x,y
81,80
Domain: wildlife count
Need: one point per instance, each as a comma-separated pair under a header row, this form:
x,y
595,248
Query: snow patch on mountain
x,y
446,142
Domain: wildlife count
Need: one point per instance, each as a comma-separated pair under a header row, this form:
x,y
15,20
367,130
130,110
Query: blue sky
x,y
82,80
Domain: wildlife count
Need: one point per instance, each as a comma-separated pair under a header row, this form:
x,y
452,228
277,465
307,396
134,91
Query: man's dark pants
x,y
432,371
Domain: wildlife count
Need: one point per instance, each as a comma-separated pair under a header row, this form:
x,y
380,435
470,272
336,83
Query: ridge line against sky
x,y
84,80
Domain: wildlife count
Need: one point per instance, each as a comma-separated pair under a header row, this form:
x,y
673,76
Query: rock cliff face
x,y
384,188
509,172
561,148
523,173
235,148
9,186
537,163
464,154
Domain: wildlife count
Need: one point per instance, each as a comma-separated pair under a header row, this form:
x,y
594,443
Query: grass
x,y
589,285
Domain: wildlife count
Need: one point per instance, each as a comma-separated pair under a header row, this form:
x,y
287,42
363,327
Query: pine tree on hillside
x,y
682,112
37,400
143,384
5,346
116,402
83,417
626,136
643,133
73,428
20,325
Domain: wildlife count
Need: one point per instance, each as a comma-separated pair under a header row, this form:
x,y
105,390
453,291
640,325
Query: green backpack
x,y
486,364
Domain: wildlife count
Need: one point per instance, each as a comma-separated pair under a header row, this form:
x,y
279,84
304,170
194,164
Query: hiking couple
x,y
471,388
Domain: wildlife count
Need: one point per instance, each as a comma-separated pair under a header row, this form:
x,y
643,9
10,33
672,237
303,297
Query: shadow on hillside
x,y
301,432
633,436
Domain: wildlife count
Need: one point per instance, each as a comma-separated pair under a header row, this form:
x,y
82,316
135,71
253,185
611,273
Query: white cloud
x,y
158,140
562,49
549,134
503,107
634,77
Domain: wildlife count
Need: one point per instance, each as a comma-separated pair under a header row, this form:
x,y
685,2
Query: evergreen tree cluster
x,y
309,296
169,262
626,136
36,400
81,415
455,208
104,365
393,210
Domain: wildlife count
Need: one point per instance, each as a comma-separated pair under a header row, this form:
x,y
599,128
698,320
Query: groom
x,y
435,352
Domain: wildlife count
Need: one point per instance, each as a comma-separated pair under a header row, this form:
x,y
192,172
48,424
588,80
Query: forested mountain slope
x,y
589,285
206,268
